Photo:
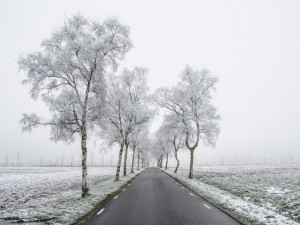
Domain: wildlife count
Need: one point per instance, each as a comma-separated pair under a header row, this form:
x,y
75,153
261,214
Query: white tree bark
x,y
178,162
191,172
132,163
125,158
167,158
119,162
84,186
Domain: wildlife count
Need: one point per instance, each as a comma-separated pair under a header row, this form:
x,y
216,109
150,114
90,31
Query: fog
x,y
252,46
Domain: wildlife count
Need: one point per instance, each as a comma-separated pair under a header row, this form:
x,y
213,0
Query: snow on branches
x,y
190,109
68,72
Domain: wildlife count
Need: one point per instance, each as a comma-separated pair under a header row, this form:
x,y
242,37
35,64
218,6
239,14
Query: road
x,y
154,198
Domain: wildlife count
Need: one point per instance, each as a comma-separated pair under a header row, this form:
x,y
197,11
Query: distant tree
x,y
127,109
163,145
6,160
18,158
158,149
68,72
190,102
136,140
173,133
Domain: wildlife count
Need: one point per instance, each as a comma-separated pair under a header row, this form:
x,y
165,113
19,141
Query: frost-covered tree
x,y
144,151
127,109
68,72
190,102
136,140
163,145
158,149
170,130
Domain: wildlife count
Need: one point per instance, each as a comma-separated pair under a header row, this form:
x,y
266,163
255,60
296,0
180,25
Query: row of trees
x,y
190,116
74,73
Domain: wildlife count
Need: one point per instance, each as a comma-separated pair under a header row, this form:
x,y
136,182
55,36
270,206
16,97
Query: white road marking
x,y
124,189
129,184
100,211
206,206
115,197
191,194
182,187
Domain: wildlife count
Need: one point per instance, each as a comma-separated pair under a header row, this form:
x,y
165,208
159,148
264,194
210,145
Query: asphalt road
x,y
154,198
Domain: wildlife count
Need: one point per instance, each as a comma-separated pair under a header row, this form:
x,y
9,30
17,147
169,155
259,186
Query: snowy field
x,y
255,194
52,193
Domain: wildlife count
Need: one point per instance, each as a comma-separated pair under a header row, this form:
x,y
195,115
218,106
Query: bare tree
x,y
68,72
18,158
175,135
6,160
190,103
137,138
127,109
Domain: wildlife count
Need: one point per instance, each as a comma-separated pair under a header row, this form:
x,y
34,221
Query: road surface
x,y
154,198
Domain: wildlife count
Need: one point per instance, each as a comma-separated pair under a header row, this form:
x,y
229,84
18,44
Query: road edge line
x,y
233,216
99,205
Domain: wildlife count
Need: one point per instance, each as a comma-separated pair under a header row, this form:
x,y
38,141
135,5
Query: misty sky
x,y
252,46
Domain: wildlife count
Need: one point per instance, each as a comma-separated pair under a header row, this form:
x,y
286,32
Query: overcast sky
x,y
252,46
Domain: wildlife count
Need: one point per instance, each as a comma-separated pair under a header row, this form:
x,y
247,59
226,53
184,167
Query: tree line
x,y
75,72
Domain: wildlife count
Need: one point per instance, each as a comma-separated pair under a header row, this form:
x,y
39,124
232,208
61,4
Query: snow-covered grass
x,y
253,194
54,194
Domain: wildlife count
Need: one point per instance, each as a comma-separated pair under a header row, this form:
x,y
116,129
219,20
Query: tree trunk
x,y
191,174
119,162
85,190
132,164
177,166
166,167
138,162
125,158
161,162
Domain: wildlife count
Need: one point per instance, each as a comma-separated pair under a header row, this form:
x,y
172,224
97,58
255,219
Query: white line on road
x,y
124,189
182,187
191,194
115,197
100,211
206,206
129,184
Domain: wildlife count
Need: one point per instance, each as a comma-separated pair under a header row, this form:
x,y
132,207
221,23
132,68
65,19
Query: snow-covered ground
x,y
41,193
254,194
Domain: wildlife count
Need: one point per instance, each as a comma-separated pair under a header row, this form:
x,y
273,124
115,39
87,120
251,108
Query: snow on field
x,y
255,194
41,194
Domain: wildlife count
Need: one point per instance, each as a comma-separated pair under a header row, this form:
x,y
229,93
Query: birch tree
x,y
163,144
190,102
173,133
68,72
136,140
127,109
